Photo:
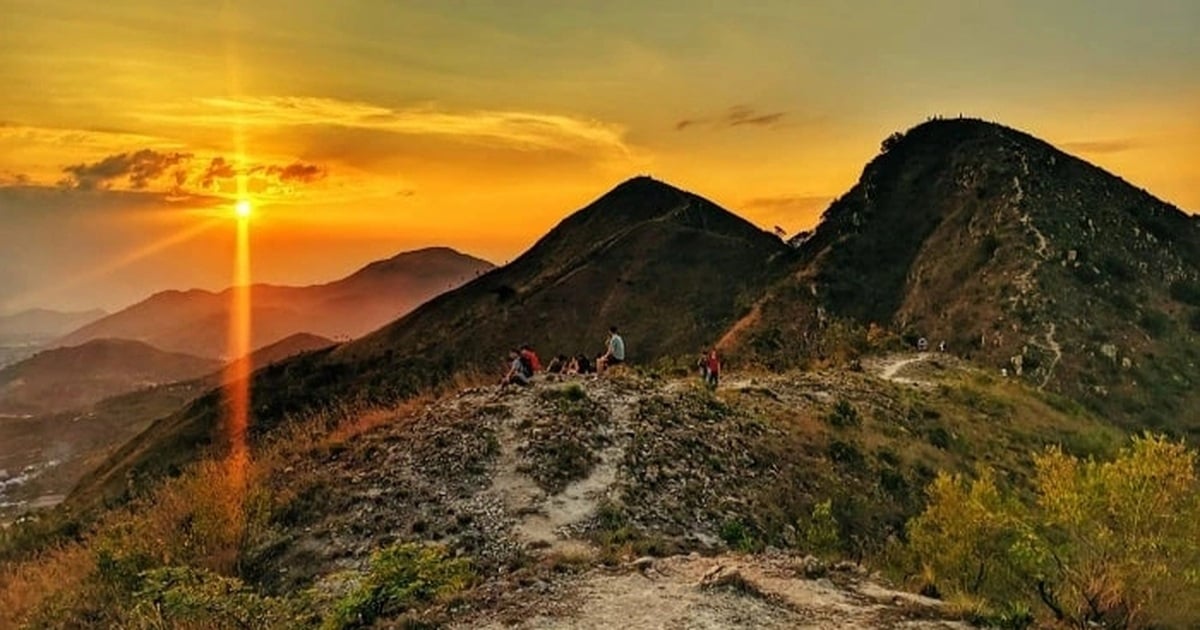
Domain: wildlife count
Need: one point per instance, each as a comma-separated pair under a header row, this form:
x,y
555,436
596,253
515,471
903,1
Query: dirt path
x,y
1054,347
732,592
889,368
542,520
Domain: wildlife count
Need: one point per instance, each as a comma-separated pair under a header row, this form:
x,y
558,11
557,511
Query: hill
x,y
1019,257
39,323
669,267
23,333
197,321
56,450
68,378
592,501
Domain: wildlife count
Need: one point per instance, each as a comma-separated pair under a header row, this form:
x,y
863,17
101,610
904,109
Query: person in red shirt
x,y
531,358
712,369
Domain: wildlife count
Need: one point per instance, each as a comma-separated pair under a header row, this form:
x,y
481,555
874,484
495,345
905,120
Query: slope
x,y
1020,257
54,451
197,321
670,268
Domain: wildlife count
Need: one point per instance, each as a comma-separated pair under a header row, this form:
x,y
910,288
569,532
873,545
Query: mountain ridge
x,y
196,320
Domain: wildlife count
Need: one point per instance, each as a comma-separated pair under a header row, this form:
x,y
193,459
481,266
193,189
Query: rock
x,y
1109,350
643,563
813,567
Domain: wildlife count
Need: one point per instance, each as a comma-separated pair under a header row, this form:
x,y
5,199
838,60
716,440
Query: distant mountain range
x,y
196,322
1023,259
68,378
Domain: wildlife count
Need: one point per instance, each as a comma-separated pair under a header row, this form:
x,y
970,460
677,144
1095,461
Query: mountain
x,y
668,267
197,321
68,378
1019,257
40,323
58,449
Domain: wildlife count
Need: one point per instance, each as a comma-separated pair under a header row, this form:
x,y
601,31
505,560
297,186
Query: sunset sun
x,y
243,208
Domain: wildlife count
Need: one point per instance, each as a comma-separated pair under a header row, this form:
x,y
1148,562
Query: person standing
x,y
614,353
712,369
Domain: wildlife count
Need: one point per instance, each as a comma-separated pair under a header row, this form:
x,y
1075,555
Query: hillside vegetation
x,y
533,488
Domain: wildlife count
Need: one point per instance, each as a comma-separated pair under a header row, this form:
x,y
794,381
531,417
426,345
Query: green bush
x,y
175,596
843,415
821,531
1113,544
401,578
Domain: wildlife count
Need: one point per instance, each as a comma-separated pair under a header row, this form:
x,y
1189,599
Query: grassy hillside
x,y
532,486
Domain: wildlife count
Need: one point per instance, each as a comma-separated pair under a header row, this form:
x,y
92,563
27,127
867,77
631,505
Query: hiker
x,y
517,370
942,346
712,369
557,365
702,365
614,353
531,358
583,364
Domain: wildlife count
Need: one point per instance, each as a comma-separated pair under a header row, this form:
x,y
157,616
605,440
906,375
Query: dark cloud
x,y
744,115
140,167
297,172
219,168
1101,146
178,174
736,116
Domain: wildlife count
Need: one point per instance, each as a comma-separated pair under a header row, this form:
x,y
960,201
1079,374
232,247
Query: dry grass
x,y
26,585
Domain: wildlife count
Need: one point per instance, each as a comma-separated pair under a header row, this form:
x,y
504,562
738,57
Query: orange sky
x,y
368,127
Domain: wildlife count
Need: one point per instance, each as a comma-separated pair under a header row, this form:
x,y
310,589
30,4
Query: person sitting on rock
x,y
614,352
557,365
531,359
712,369
584,364
517,370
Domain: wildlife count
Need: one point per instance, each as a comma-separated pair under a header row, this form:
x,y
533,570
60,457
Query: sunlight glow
x,y
237,372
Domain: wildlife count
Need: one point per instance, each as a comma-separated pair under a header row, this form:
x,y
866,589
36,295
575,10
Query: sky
x,y
362,128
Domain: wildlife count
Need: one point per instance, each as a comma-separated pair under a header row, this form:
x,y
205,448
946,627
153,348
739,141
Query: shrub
x,y
821,531
843,415
740,536
175,596
401,578
1186,291
1115,544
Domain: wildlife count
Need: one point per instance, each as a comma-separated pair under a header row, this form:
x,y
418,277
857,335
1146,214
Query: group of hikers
x,y
524,363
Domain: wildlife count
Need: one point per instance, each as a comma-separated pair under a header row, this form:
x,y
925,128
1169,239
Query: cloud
x,y
182,175
218,169
140,168
736,116
297,172
513,129
1100,146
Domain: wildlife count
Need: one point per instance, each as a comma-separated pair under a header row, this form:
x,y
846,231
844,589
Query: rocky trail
x,y
889,368
726,591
